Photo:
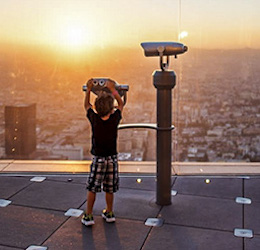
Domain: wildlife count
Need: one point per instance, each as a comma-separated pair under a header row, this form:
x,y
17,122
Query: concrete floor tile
x,y
185,238
22,227
217,187
48,166
140,182
252,218
68,178
11,185
9,248
136,204
203,212
123,234
252,244
145,183
3,166
129,204
52,195
252,187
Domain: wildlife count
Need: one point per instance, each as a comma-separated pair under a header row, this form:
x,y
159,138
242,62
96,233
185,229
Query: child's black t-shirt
x,y
104,133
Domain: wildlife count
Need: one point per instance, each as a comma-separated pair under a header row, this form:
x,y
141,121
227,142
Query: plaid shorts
x,y
104,170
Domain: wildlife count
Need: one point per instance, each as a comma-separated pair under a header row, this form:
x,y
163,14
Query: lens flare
x,y
183,34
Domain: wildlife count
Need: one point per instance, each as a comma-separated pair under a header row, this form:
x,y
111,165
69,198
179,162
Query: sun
x,y
74,37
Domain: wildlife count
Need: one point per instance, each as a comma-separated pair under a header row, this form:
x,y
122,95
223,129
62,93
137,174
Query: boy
x,y
104,167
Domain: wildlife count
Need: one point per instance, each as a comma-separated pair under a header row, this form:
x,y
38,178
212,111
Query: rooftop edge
x,y
143,167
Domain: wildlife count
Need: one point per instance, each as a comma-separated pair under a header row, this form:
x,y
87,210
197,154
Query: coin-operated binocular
x,y
164,50
100,84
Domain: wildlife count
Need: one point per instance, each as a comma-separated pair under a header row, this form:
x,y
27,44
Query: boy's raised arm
x,y
111,87
87,103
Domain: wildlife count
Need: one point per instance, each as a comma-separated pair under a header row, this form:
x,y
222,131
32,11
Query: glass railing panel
x,y
46,57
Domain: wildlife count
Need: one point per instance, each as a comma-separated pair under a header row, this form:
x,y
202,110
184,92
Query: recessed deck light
x,y
207,181
139,180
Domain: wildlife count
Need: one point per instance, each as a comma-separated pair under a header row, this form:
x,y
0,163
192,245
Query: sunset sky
x,y
81,24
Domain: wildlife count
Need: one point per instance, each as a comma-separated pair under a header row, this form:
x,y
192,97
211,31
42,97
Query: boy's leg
x,y
87,218
91,197
93,186
94,181
109,201
108,214
110,185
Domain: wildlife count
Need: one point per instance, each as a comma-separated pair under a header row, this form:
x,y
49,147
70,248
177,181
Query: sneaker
x,y
108,216
87,220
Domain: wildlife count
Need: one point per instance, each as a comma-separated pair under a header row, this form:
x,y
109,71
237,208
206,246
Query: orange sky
x,y
81,24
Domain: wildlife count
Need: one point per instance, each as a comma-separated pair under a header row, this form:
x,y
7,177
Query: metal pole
x,y
164,82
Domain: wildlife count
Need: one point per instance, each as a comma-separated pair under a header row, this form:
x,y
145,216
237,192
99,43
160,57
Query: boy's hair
x,y
104,104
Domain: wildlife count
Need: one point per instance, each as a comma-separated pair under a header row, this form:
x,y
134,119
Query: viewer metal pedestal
x,y
164,82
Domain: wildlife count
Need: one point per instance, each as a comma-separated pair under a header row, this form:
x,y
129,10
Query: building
x,y
20,131
68,152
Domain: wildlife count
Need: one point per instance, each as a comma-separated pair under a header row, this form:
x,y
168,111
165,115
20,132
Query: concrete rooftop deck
x,y
204,213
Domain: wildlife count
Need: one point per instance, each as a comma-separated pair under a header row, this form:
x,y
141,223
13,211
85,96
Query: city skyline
x,y
215,105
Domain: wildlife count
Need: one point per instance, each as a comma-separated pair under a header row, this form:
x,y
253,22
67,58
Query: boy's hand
x,y
90,84
111,85
87,103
